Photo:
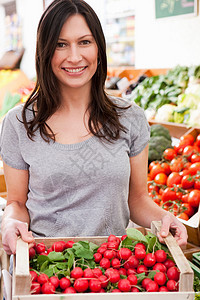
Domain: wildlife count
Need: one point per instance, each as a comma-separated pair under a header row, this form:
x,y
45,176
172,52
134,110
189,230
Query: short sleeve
x,y
9,144
139,132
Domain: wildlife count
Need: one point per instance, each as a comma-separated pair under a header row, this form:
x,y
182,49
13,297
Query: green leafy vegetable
x,y
136,235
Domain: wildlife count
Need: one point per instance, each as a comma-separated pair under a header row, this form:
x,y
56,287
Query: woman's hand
x,y
10,233
178,230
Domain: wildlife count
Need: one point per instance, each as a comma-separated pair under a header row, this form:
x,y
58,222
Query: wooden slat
x,y
176,130
111,296
4,262
186,273
22,281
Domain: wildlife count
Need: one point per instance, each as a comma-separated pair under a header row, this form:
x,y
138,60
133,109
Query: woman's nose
x,y
74,54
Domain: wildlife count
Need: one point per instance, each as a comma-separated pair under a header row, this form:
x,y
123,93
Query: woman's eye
x,y
85,42
60,45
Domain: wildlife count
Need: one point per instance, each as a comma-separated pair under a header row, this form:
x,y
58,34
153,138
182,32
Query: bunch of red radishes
x,y
118,265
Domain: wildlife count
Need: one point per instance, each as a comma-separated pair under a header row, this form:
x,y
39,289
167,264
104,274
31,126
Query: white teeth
x,y
74,70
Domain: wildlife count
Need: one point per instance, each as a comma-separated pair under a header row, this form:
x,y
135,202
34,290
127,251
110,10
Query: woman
x,y
75,160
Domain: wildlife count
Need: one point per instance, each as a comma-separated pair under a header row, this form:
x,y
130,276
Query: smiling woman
x,y
75,59
75,159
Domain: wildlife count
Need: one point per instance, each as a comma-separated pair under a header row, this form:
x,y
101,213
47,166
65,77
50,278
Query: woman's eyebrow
x,y
82,37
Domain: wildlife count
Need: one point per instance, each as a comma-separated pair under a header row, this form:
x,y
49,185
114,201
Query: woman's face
x,y
75,59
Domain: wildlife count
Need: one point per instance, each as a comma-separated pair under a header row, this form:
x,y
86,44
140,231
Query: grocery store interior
x,y
153,56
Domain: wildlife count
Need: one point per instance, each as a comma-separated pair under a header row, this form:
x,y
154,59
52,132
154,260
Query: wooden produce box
x,y
131,74
2,178
176,130
2,183
21,277
189,249
156,72
4,265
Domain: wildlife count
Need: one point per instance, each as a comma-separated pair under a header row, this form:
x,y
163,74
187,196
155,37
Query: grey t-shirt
x,y
75,189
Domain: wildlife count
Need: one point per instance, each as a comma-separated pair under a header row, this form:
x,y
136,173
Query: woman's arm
x,y
16,218
142,209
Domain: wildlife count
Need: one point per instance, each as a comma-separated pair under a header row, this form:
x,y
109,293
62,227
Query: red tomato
x,y
185,198
197,183
153,163
195,158
183,216
194,198
187,165
169,154
188,151
173,178
160,178
181,145
177,164
156,169
187,182
188,209
168,194
187,137
179,195
166,168
198,140
184,172
194,168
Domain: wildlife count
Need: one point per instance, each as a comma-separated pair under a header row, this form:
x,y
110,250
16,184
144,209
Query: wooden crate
x,y
2,183
4,263
21,277
131,74
156,72
189,249
175,130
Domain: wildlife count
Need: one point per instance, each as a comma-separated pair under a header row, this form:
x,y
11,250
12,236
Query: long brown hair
x,y
104,113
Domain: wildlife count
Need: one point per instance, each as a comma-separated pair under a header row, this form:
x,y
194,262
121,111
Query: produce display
x,y
14,98
15,87
173,97
7,76
132,263
160,139
174,181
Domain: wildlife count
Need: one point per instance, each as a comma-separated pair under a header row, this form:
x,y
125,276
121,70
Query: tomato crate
x,y
21,277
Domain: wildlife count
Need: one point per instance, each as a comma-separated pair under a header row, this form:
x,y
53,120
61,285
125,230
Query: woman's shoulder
x,y
127,107
15,113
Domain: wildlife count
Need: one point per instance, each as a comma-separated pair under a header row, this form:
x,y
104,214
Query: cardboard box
x,y
21,277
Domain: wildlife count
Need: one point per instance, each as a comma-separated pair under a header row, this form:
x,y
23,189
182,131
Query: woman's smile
x,y
74,71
